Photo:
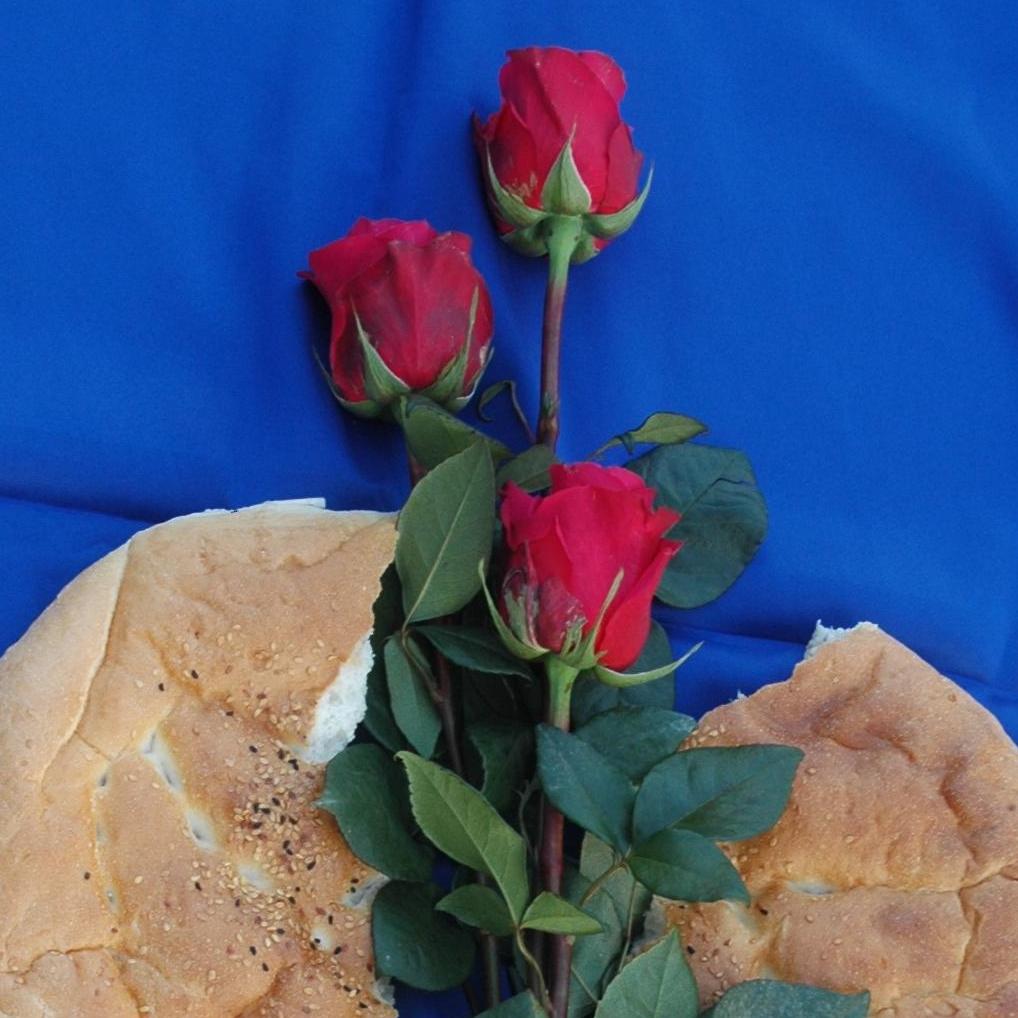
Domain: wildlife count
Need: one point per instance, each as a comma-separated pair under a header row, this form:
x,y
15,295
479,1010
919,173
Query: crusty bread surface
x,y
895,867
163,727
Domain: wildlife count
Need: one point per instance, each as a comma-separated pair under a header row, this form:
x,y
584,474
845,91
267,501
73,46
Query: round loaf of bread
x,y
895,866
163,732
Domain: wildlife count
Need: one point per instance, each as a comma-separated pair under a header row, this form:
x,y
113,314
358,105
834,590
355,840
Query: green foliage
x,y
724,517
618,904
407,676
523,1005
475,648
366,791
765,998
636,738
658,429
445,530
415,944
388,613
434,435
591,697
585,786
464,825
684,866
726,793
507,754
529,470
655,984
480,906
552,914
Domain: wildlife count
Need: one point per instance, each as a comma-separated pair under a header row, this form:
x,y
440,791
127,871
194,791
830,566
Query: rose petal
x,y
609,72
627,622
624,162
558,96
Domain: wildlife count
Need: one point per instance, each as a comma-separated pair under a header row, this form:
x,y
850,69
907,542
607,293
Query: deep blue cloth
x,y
826,272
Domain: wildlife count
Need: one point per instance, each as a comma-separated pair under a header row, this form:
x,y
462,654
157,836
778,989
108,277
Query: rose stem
x,y
560,687
563,236
447,714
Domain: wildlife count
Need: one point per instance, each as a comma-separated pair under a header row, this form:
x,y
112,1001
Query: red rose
x,y
566,549
553,99
406,292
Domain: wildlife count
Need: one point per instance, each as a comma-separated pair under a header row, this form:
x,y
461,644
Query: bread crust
x,y
161,852
895,867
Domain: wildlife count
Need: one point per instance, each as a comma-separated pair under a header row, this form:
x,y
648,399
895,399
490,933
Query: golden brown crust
x,y
893,869
160,848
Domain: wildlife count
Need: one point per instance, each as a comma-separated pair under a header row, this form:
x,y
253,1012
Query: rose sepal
x,y
365,408
608,225
520,648
564,192
623,680
511,209
382,384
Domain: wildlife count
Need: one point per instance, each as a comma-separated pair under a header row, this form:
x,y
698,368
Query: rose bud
x,y
410,314
584,562
558,147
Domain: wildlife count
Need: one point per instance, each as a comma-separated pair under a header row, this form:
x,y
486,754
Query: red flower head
x,y
566,550
558,146
410,313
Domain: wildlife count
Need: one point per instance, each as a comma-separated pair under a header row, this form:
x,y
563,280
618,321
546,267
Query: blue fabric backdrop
x,y
826,272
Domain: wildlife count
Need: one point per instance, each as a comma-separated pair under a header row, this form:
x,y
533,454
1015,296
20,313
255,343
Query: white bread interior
x,y
895,867
163,727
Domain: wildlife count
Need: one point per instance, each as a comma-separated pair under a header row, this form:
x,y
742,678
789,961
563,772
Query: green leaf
x,y
611,905
684,866
726,793
366,792
506,752
552,914
724,517
477,905
412,706
463,824
591,697
585,786
434,435
637,738
564,191
415,944
765,998
475,648
445,530
388,614
658,429
523,1005
655,984
607,225
529,470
